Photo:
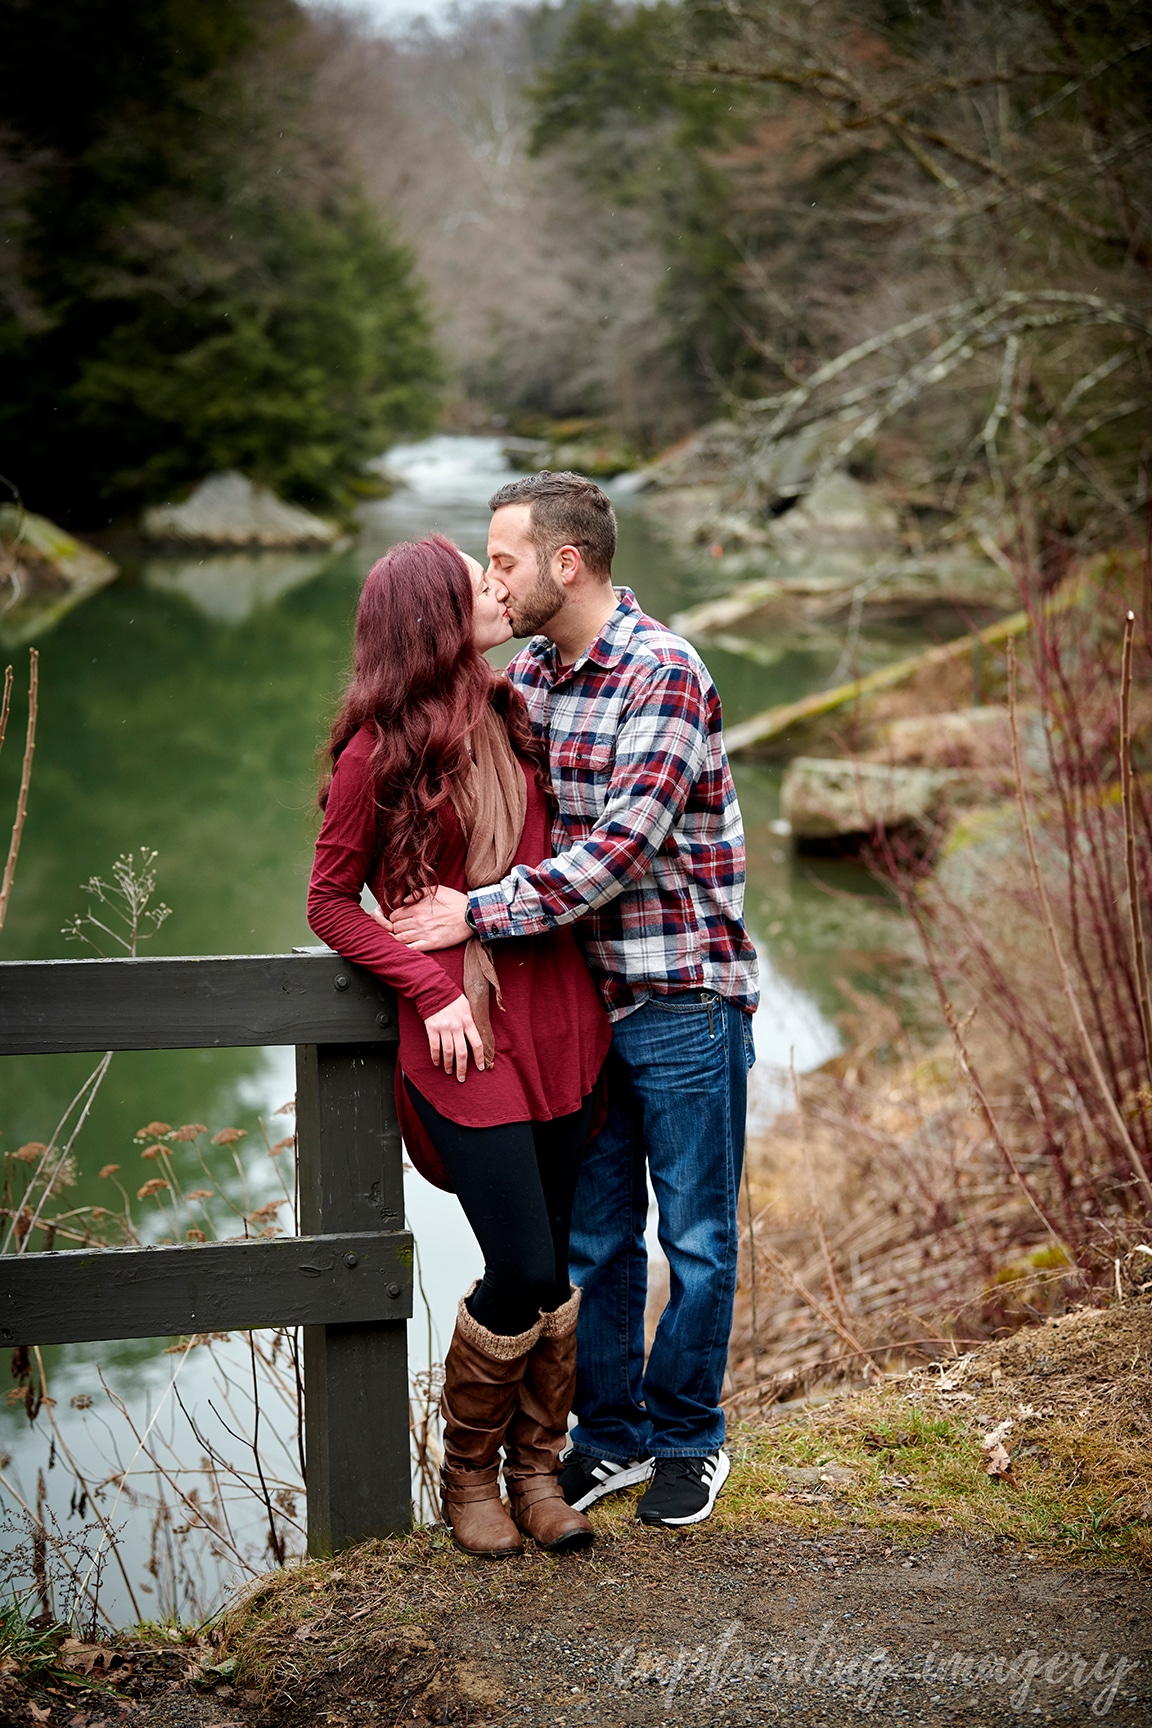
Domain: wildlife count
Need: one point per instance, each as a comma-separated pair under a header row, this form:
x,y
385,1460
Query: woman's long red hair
x,y
421,686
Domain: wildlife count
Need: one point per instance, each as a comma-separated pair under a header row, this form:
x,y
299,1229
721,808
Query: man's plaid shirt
x,y
649,842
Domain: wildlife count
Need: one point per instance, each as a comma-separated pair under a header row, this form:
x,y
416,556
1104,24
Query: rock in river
x,y
826,798
44,572
231,510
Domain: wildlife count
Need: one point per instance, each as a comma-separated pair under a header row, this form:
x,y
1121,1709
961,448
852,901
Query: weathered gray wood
x,y
189,1004
355,1376
88,1294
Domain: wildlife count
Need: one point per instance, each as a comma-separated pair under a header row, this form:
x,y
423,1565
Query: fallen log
x,y
775,721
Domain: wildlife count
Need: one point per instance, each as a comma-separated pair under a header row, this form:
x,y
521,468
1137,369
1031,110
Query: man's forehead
x,y
509,528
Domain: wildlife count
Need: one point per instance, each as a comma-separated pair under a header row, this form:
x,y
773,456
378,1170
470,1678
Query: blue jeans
x,y
677,1092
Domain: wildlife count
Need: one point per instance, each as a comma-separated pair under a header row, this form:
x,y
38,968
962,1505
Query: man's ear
x,y
566,562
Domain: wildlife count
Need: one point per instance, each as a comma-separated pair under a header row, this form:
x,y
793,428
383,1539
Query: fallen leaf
x,y
82,1658
39,1714
999,1463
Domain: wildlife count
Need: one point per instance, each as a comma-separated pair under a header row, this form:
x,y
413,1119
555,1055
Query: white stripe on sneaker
x,y
612,1477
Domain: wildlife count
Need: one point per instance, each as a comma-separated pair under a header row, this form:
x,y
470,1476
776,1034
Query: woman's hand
x,y
450,1031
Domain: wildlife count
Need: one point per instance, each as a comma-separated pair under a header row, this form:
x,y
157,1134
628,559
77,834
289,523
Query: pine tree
x,y
192,279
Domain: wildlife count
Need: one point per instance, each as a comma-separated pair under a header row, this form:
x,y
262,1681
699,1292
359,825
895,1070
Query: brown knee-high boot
x,y
482,1375
537,1433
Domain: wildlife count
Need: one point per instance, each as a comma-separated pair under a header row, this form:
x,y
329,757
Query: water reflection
x,y
229,589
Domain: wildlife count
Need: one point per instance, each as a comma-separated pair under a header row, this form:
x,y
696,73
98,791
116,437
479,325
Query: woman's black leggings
x,y
516,1183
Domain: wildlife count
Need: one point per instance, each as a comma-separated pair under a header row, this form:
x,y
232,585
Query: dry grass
x,y
904,1456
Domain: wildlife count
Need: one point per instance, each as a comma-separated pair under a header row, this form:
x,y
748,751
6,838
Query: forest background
x,y
249,235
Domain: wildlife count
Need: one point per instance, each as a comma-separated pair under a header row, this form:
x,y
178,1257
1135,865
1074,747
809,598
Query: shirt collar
x,y
609,647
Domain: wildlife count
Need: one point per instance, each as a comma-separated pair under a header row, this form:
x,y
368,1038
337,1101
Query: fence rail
x,y
347,1280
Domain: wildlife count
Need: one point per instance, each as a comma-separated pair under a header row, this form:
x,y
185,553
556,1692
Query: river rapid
x,y
181,710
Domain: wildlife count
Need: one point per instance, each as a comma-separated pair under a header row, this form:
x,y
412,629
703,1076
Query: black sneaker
x,y
584,1480
683,1490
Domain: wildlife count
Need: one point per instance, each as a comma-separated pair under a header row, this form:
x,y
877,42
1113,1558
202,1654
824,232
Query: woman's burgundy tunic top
x,y
553,1034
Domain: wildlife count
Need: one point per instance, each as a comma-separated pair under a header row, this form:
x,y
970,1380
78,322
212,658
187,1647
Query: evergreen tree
x,y
192,279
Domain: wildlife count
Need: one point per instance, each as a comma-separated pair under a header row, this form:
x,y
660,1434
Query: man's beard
x,y
542,602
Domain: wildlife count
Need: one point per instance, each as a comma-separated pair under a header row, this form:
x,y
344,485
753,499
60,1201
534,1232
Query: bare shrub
x,y
992,1162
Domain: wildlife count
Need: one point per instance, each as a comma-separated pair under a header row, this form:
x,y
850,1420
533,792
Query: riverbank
x,y
976,1156
996,1507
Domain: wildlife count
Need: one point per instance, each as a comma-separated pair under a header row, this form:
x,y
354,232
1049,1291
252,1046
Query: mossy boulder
x,y
44,572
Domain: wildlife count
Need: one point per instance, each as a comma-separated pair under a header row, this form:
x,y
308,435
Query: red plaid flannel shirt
x,y
649,841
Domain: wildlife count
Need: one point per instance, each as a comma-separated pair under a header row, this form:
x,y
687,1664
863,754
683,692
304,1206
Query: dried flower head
x,y
29,1153
152,1186
108,1170
227,1135
81,1401
190,1131
196,1236
152,1129
267,1211
152,1151
200,1193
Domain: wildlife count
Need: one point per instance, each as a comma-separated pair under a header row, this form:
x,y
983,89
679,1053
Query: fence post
x,y
355,1376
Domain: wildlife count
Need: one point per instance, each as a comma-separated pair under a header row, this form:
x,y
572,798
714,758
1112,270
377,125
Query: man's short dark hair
x,y
567,510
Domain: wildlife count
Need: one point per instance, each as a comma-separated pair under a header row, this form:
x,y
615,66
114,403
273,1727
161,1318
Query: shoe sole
x,y
723,1469
622,1479
570,1544
483,1553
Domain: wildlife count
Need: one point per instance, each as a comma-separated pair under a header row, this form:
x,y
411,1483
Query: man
x,y
650,859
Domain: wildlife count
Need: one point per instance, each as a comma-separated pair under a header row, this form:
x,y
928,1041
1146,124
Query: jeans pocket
x,y
683,1001
749,1040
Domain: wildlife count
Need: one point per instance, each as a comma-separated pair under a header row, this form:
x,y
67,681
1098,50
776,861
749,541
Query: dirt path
x,y
702,1630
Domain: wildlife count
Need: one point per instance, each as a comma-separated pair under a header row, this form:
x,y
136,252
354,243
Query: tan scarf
x,y
491,802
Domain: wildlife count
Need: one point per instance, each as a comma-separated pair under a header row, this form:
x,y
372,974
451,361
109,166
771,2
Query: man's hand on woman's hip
x,y
430,921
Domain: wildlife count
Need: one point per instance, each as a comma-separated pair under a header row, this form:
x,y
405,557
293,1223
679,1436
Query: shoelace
x,y
677,1467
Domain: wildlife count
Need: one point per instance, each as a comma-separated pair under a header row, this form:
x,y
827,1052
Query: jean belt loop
x,y
711,1016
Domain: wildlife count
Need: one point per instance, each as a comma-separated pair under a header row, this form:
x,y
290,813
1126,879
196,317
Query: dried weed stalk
x,y
994,1166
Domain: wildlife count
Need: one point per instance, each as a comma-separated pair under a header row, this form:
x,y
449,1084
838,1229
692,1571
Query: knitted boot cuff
x,y
493,1344
562,1320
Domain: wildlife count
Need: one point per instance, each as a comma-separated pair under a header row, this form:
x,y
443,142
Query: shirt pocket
x,y
581,771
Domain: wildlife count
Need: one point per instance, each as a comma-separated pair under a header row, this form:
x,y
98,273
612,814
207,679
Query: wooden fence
x,y
347,1280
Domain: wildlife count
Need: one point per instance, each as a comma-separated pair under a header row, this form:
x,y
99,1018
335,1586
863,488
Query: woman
x,y
436,778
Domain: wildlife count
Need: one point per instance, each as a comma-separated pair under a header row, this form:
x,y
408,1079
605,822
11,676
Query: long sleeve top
x,y
552,1035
